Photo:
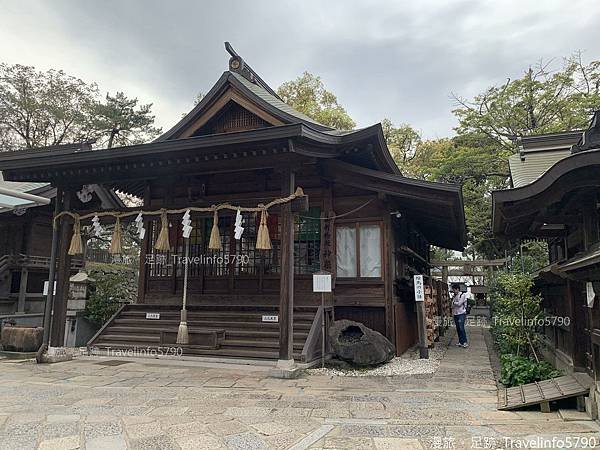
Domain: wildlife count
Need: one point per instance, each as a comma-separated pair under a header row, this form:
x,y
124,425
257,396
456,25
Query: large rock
x,y
21,339
358,344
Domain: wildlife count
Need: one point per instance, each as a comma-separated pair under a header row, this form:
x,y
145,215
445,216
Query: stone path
x,y
145,404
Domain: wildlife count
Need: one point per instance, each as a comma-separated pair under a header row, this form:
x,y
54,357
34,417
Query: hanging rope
x,y
338,215
162,243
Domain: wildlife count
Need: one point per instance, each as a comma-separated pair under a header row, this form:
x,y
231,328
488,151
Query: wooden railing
x,y
32,262
103,256
313,345
4,265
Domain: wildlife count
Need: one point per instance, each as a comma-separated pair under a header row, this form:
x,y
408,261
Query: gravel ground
x,y
407,364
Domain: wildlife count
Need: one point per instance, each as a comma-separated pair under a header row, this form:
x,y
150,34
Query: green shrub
x,y
521,370
113,285
515,314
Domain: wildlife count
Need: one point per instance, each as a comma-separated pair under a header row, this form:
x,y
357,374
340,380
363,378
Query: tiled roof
x,y
272,100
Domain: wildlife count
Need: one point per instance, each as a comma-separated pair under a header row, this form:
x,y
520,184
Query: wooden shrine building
x,y
25,243
359,219
561,206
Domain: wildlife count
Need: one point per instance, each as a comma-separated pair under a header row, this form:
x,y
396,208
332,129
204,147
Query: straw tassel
x,y
263,240
183,335
76,247
115,243
215,237
162,243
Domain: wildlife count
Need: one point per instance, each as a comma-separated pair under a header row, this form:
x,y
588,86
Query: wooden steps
x,y
246,335
543,392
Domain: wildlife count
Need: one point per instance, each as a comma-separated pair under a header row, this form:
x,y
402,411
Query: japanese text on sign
x,y
419,292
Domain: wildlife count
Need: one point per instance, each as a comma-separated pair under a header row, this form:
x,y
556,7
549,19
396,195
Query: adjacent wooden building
x,y
363,221
561,206
25,242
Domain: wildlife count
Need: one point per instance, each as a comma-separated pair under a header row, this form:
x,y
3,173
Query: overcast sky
x,y
390,58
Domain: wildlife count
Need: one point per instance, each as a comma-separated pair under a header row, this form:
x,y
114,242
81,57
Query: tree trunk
x,y
111,138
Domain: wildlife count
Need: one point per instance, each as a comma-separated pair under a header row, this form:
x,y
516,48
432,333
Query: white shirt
x,y
459,304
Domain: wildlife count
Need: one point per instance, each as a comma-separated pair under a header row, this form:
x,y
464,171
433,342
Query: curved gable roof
x,y
255,93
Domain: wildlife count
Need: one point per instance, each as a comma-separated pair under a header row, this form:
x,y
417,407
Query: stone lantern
x,y
78,330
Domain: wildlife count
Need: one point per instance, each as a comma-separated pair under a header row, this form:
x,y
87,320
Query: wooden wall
x,y
374,302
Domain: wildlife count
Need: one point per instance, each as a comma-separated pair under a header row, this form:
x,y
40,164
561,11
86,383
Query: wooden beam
x,y
462,262
286,287
229,95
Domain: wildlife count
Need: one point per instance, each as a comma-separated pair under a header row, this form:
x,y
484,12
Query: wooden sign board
x,y
274,319
419,289
153,316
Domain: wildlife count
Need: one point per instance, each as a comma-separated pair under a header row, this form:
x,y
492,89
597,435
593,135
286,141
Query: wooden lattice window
x,y
307,247
232,118
160,263
307,241
258,261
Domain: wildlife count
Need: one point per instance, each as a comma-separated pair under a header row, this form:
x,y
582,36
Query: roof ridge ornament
x,y
590,139
239,66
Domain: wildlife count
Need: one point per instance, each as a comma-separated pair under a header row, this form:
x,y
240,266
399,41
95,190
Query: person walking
x,y
459,312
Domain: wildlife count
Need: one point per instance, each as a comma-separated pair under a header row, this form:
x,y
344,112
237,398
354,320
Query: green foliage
x,y
51,108
518,370
402,141
539,102
515,314
113,285
534,255
121,121
543,100
130,242
308,95
480,167
43,108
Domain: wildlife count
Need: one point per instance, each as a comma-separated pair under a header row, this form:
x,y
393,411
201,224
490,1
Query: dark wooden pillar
x,y
48,306
389,272
286,287
22,290
590,221
143,275
59,316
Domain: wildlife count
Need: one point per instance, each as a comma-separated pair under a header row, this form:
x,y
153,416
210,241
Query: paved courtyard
x,y
102,403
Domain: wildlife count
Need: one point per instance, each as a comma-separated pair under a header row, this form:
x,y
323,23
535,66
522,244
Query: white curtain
x,y
370,251
346,252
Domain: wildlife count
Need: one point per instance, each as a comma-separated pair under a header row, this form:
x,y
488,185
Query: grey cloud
x,y
382,58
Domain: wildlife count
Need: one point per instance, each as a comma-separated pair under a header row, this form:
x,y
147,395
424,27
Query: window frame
x,y
357,223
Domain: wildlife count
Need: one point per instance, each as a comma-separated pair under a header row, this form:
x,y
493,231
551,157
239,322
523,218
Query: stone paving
x,y
97,403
